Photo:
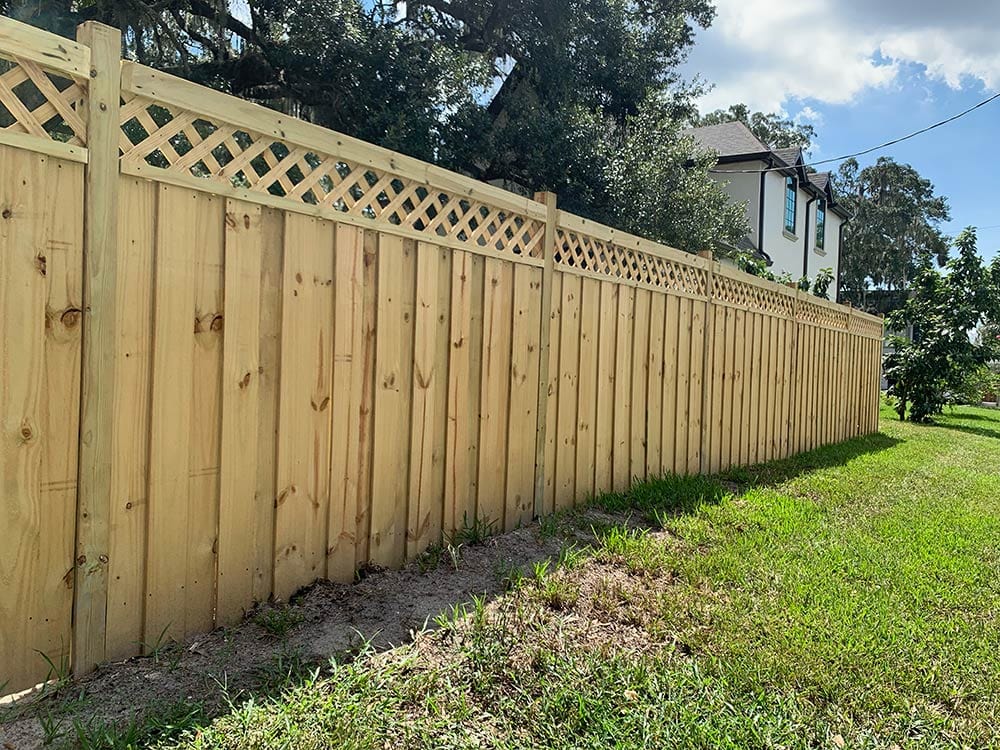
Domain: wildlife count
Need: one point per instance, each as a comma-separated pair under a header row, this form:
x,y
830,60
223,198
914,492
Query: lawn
x,y
849,597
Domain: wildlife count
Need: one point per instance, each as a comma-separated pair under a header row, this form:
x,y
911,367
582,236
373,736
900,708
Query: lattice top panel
x,y
196,144
587,253
821,315
759,298
866,326
38,103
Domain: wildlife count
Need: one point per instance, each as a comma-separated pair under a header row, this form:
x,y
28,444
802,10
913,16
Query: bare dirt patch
x,y
328,620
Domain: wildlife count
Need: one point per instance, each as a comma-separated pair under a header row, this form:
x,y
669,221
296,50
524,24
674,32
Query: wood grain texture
x,y
393,395
303,499
244,242
129,498
348,389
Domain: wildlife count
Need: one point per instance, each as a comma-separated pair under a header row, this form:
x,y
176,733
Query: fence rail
x,y
241,352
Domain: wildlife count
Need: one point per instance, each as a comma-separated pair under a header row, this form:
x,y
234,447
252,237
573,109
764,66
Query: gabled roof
x,y
728,139
820,179
735,142
791,156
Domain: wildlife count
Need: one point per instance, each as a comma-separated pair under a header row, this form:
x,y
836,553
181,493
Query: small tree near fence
x,y
944,310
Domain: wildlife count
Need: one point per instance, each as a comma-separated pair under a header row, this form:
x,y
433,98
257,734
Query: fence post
x,y
100,277
707,358
548,270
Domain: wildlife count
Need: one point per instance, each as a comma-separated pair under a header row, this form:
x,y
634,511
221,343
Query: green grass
x,y
848,597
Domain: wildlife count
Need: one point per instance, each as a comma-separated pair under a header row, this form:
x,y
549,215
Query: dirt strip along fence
x,y
239,352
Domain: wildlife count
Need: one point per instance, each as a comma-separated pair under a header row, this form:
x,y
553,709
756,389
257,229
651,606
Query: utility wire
x,y
893,142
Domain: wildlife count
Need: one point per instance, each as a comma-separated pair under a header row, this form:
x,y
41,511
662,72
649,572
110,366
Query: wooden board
x,y
569,373
668,432
393,396
170,417
303,498
548,503
240,418
640,383
348,388
654,392
524,366
682,451
622,476
464,370
606,370
498,301
695,381
129,505
590,303
40,276
268,393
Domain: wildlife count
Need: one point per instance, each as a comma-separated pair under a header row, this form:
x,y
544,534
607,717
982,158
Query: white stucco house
x,y
795,223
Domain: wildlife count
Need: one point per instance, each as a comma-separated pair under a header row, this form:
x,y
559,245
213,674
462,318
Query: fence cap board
x,y
51,51
161,87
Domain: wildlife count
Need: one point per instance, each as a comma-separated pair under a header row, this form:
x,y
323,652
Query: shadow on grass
x,y
981,431
824,457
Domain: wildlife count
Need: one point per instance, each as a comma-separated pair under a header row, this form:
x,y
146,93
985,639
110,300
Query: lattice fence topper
x,y
810,312
191,144
46,105
579,250
751,296
866,326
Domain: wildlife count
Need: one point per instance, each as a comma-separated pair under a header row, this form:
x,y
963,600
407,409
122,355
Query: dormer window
x,y
791,198
820,224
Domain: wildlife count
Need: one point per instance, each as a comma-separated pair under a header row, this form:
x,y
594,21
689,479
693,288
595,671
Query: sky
x,y
865,71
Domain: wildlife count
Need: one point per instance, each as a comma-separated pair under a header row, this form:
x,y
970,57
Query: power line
x,y
893,142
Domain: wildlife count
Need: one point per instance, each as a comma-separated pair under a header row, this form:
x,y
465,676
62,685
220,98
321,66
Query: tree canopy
x,y
895,229
546,94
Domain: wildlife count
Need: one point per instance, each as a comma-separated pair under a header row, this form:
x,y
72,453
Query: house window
x,y
820,224
791,196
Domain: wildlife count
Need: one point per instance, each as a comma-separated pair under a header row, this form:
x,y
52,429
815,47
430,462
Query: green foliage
x,y
927,370
896,223
821,284
774,130
982,384
580,97
651,173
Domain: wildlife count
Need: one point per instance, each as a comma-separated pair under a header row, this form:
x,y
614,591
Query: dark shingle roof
x,y
791,156
820,179
728,139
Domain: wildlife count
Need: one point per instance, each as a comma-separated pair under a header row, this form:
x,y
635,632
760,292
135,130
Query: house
x,y
795,223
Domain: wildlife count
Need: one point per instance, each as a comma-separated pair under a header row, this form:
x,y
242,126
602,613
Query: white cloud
x,y
767,52
809,115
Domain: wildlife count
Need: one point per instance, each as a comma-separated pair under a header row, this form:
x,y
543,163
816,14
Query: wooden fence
x,y
239,352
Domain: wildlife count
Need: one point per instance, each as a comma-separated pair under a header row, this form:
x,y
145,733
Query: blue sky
x,y
864,72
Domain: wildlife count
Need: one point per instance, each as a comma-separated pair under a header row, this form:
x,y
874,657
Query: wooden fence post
x,y
548,270
100,277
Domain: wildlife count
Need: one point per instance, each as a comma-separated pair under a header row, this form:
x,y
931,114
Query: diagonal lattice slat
x,y
821,315
751,296
41,104
203,146
581,251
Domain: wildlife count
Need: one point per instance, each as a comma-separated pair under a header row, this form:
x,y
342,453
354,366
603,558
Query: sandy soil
x,y
385,607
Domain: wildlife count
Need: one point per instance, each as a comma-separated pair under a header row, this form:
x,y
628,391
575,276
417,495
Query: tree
x,y
943,309
895,225
772,129
541,93
651,171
